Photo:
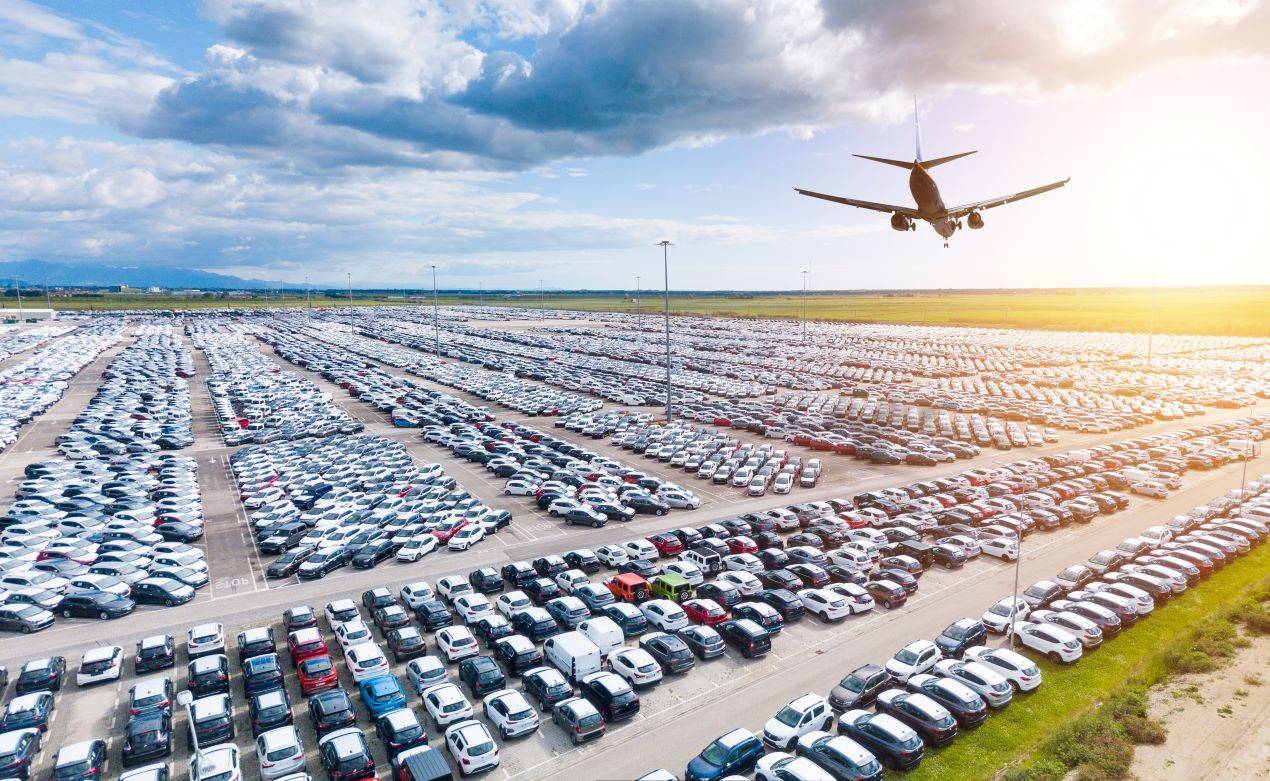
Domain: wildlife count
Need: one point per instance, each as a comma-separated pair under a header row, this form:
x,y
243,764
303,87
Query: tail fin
x,y
917,131
897,163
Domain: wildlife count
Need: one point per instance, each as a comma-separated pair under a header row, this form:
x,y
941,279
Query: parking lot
x,y
680,715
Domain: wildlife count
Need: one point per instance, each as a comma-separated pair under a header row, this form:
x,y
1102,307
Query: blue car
x,y
382,694
734,753
28,710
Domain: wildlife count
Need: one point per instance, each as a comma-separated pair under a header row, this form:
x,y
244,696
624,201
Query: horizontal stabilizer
x,y
897,163
948,159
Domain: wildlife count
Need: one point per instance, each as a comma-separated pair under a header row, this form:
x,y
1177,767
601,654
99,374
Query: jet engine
x,y
901,223
974,220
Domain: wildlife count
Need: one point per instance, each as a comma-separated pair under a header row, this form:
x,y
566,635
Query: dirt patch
x,y
1218,723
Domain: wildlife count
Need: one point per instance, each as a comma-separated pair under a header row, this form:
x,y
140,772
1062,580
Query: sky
x,y
514,143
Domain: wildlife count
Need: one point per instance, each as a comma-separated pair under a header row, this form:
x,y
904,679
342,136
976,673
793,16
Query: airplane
x,y
930,205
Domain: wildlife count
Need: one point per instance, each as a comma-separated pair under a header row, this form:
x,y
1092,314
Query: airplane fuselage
x,y
929,202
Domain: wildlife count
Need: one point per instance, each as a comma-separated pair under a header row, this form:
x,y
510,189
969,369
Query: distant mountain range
x,y
36,273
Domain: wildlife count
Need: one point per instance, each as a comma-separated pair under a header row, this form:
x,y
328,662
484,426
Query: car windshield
x,y
788,716
957,632
852,684
715,753
481,749
905,656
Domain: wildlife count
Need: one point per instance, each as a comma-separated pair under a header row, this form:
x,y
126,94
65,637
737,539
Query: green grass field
x,y
1240,311
1139,656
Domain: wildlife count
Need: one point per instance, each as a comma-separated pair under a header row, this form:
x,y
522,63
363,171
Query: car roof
x,y
101,653
75,752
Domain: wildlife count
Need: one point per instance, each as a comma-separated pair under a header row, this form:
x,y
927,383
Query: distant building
x,y
14,314
154,289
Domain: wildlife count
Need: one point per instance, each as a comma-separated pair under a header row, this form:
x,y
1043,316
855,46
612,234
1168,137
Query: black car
x,y
583,560
541,590
546,686
213,721
492,627
262,673
18,751
331,710
299,617
780,578
146,736
400,730
933,723
371,554
406,643
95,604
269,710
628,617
178,531
88,768
773,558
38,675
860,687
785,602
670,651
256,641
948,556
208,675
643,567
752,640
893,742
960,635
1041,593
839,760
611,695
390,617
482,675
762,614
288,563
549,566
967,707
434,615
535,623
486,580
519,574
645,503
323,563
727,598
517,653
703,641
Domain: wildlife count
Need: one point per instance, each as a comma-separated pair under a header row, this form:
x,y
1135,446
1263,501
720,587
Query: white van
x,y
573,654
604,632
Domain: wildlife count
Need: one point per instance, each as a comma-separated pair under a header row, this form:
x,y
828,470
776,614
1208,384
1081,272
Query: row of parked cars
x,y
14,340
322,504
891,715
142,404
255,400
30,387
92,538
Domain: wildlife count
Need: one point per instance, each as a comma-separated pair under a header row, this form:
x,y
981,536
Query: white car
x,y
807,713
205,639
637,550
827,605
1086,631
781,766
366,660
636,665
570,580
103,663
1016,668
915,658
850,555
1001,547
664,614
472,747
425,671
446,704
519,487
743,562
745,582
512,602
612,555
472,607
415,594
994,689
466,537
1057,644
341,610
416,548
280,752
859,600
456,643
351,633
1152,488
451,587
218,763
997,618
686,570
510,713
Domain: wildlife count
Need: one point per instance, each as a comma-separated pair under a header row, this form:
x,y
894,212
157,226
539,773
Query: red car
x,y
705,611
448,529
741,544
854,520
666,544
317,673
305,643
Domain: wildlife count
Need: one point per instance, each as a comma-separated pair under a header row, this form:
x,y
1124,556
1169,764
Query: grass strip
x,y
1064,724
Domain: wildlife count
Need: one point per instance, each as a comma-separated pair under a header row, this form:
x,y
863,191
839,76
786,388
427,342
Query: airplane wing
x,y
964,209
907,211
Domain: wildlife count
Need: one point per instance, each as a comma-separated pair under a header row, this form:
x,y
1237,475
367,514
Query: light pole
x,y
1151,334
18,286
665,264
542,303
349,274
805,273
436,318
1014,603
1248,453
47,298
480,292
308,292
639,319
185,698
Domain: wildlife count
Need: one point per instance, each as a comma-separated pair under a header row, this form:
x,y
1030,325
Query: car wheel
x,y
26,630
568,521
103,615
553,513
661,512
168,603
1054,657
66,614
